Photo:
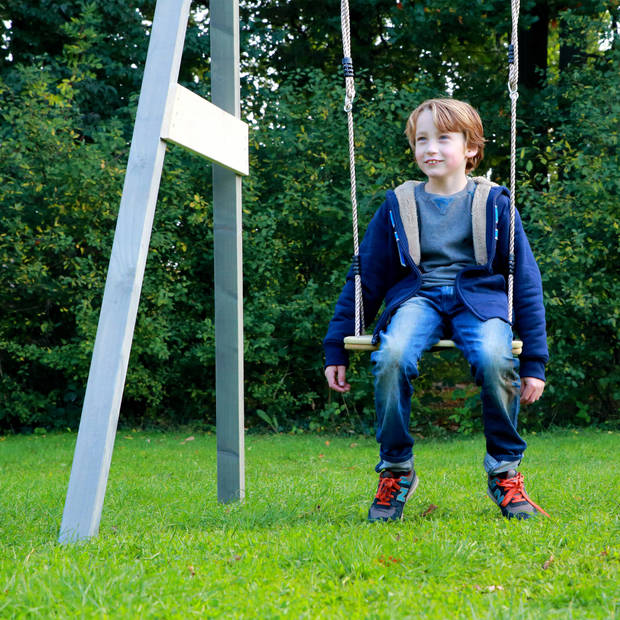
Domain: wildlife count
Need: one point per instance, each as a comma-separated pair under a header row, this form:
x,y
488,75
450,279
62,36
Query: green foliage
x,y
68,86
110,37
572,217
59,196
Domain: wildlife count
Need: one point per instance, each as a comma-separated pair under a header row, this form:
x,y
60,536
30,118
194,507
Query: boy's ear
x,y
471,151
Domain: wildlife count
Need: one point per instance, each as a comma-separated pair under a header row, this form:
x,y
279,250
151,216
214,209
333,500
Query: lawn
x,y
299,546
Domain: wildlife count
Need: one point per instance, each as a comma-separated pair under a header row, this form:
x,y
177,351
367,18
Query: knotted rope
x,y
347,63
513,91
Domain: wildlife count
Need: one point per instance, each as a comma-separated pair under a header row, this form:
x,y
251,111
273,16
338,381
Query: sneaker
x,y
506,490
394,490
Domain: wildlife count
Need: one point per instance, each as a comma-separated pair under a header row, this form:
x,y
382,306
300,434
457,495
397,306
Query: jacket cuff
x,y
532,368
335,354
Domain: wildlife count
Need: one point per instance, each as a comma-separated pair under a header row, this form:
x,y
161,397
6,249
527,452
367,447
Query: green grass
x,y
299,545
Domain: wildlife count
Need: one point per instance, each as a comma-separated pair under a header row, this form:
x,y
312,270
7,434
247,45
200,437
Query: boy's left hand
x,y
531,389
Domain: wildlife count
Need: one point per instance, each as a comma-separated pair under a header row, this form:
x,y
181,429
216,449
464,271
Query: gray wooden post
x,y
228,267
166,111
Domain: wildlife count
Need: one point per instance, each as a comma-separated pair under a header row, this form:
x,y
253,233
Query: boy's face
x,y
442,156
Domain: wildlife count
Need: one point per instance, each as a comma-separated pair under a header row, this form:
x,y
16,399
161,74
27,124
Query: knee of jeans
x,y
393,356
495,363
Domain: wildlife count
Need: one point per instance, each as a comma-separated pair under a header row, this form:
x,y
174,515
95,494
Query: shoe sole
x,y
492,497
412,488
521,516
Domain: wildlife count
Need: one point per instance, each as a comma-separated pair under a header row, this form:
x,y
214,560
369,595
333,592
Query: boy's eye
x,y
444,136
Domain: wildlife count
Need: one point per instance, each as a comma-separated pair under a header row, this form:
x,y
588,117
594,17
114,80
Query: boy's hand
x,y
336,378
531,389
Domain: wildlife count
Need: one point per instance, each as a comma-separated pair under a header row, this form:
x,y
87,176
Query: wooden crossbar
x,y
207,130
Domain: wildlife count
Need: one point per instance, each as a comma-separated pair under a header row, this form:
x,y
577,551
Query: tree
x,y
42,34
72,91
59,196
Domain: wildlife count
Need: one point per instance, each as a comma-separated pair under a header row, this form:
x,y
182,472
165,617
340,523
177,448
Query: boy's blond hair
x,y
452,115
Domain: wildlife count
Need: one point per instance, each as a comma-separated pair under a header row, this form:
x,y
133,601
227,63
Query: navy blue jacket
x,y
390,275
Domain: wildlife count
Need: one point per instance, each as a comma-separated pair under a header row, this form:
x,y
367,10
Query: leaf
x,y
430,510
548,562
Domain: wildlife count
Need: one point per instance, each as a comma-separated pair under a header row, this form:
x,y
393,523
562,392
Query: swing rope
x,y
347,63
513,91
513,84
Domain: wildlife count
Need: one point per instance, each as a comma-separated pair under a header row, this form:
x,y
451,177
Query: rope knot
x,y
513,86
349,95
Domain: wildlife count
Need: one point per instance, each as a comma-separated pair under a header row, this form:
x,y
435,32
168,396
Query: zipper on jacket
x,y
400,254
496,235
459,291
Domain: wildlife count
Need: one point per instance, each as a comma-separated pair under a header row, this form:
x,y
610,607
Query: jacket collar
x,y
405,194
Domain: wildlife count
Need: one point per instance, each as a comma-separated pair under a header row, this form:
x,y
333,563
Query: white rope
x,y
348,108
513,91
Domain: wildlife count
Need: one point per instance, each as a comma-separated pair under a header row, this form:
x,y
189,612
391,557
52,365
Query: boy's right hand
x,y
336,378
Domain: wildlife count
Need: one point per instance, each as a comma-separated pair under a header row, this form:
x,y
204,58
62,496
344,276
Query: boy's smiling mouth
x,y
432,161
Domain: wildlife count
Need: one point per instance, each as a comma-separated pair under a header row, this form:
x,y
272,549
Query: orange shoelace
x,y
515,491
387,487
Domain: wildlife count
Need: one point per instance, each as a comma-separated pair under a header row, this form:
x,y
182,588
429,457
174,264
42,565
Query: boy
x,y
437,254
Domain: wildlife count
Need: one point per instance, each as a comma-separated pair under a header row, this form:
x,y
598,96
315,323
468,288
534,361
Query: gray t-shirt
x,y
446,241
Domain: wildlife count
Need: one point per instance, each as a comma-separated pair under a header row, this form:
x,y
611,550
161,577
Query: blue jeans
x,y
487,345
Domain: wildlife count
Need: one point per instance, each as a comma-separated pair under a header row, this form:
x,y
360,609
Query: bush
x,y
61,186
572,217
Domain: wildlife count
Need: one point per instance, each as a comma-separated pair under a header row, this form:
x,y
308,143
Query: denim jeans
x,y
487,345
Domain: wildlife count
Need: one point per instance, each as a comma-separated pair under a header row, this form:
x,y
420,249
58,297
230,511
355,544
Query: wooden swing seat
x,y
364,343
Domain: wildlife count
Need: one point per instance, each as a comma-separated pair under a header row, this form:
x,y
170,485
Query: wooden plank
x,y
207,130
95,441
364,343
225,93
